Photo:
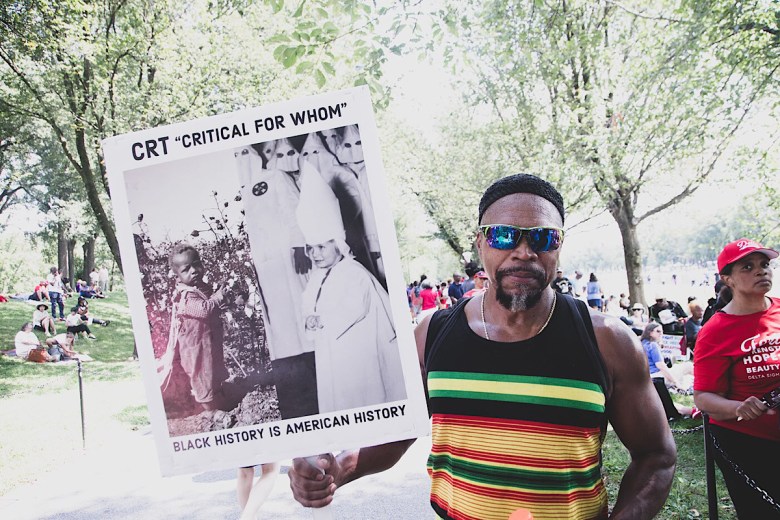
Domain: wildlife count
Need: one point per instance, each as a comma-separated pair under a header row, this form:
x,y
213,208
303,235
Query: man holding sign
x,y
521,383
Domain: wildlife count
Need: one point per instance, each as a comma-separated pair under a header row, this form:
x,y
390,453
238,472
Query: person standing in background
x,y
738,343
56,293
593,291
456,288
103,279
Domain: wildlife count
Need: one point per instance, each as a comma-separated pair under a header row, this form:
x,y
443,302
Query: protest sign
x,y
671,347
265,285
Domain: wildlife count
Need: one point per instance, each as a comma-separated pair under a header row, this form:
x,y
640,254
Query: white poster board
x,y
265,284
670,347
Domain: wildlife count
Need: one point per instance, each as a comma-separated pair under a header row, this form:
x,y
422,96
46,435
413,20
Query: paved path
x,y
123,481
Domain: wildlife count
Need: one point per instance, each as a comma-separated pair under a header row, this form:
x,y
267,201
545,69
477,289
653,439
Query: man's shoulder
x,y
617,342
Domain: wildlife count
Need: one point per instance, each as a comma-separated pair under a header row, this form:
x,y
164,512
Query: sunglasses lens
x,y
542,240
502,237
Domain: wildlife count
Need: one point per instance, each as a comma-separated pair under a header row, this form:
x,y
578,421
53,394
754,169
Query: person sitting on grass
x,y
86,291
41,292
83,310
61,346
660,373
76,325
28,346
42,321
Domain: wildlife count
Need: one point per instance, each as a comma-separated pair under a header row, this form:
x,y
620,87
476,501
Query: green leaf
x,y
289,57
298,12
319,77
278,38
304,66
330,28
279,52
329,68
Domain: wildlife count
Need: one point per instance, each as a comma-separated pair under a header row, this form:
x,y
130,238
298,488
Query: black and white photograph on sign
x,y
264,283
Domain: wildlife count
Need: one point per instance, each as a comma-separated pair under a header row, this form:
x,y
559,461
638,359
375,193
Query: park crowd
x,y
51,294
522,378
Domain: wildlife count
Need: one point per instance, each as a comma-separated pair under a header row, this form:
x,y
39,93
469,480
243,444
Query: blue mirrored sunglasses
x,y
540,239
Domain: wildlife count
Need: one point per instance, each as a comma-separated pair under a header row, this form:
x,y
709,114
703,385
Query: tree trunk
x,y
71,262
89,257
632,252
90,185
62,248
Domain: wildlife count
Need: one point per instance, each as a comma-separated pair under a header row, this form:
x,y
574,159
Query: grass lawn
x,y
40,405
688,496
41,426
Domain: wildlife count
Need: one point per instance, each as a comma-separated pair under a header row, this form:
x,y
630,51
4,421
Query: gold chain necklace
x,y
484,323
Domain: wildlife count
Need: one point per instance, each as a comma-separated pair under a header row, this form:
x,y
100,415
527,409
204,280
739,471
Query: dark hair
x,y
521,183
593,278
181,247
471,269
650,327
25,325
727,269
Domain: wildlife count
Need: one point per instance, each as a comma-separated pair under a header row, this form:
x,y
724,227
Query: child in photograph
x,y
194,357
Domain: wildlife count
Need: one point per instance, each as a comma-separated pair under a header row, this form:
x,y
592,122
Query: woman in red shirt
x,y
430,300
736,362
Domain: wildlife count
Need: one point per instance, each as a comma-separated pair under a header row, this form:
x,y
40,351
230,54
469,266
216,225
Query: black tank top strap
x,y
584,325
440,326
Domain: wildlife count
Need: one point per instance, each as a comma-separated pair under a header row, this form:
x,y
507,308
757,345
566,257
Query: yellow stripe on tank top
x,y
511,388
489,508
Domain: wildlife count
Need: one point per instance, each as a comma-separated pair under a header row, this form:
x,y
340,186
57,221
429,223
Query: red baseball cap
x,y
740,249
480,274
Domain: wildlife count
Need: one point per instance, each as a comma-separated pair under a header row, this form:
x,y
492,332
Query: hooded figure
x,y
346,311
270,197
285,158
349,151
344,184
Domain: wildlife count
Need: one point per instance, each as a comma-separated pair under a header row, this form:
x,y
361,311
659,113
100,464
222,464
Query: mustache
x,y
535,273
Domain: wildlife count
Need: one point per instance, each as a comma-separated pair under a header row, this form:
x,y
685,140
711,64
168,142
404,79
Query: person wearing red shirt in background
x,y
736,362
41,291
444,297
480,284
430,300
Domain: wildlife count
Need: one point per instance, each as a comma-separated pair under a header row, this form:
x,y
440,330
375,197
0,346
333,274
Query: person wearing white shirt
x,y
42,321
28,346
56,291
76,325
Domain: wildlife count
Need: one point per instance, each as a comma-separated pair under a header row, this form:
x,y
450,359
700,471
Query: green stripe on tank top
x,y
535,390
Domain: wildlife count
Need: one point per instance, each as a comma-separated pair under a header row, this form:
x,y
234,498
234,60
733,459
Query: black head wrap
x,y
521,183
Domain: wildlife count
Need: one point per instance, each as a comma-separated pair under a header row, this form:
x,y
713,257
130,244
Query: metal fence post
x,y
81,401
709,459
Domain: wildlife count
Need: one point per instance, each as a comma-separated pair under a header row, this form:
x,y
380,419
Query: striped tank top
x,y
516,424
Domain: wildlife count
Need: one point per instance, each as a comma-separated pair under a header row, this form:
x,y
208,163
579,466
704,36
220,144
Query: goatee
x,y
526,296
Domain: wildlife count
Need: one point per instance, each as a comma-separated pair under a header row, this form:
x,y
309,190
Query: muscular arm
x,y
313,488
638,419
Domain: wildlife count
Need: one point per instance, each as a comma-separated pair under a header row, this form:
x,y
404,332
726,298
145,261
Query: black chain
x,y
749,481
688,431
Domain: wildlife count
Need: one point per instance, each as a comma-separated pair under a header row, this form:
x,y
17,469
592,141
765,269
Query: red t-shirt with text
x,y
739,356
